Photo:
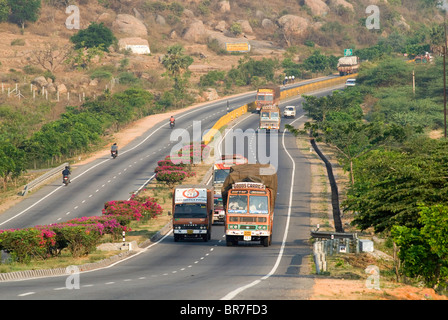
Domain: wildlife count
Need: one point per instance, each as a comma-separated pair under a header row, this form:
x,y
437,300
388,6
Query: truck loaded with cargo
x,y
249,194
267,95
269,118
193,209
348,65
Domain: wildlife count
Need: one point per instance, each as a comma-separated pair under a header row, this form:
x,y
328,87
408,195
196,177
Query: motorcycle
x,y
171,124
66,180
113,154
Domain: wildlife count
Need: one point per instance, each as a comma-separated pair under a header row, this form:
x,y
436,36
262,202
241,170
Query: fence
x,y
20,91
43,178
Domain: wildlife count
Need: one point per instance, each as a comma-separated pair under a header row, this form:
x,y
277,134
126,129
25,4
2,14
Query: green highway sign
x,y
348,52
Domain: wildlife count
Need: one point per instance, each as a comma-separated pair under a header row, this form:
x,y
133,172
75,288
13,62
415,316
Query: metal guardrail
x,y
333,235
43,178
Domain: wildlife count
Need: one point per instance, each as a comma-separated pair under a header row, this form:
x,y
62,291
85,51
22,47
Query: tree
x,y
390,184
4,10
51,56
176,63
424,251
23,11
12,162
95,36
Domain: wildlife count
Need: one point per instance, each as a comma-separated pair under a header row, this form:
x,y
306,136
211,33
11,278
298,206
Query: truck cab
x,y
249,213
193,209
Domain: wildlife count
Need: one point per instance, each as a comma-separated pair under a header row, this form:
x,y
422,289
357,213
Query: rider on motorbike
x,y
172,120
114,148
66,172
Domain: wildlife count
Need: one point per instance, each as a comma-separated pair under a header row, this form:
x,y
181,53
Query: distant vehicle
x,y
270,118
219,214
348,65
221,168
290,111
350,83
266,96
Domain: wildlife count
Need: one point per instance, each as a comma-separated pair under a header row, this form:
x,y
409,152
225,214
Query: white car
x,y
350,83
290,111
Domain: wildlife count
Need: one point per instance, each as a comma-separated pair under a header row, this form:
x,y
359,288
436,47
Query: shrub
x,y
25,244
80,240
95,36
139,209
171,177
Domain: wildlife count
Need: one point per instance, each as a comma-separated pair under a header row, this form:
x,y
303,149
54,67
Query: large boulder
x,y
318,7
196,32
130,25
293,24
342,3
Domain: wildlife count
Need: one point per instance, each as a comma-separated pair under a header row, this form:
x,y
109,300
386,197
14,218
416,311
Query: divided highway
x,y
190,270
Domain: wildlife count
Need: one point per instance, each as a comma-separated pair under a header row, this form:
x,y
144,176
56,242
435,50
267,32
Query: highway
x,y
186,270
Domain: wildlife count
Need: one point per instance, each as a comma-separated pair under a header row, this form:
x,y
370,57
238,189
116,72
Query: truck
x,y
193,209
221,168
348,65
267,95
270,118
249,193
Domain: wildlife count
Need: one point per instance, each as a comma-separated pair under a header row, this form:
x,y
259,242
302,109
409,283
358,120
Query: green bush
x,y
95,36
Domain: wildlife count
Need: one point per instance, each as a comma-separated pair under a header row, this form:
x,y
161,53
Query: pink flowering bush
x,y
135,208
27,244
171,177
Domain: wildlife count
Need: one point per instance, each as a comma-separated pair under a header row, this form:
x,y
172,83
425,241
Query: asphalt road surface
x,y
185,270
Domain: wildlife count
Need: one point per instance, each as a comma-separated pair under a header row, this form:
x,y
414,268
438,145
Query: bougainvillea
x,y
135,208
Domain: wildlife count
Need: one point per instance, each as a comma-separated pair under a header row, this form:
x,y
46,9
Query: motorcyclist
x,y
114,148
66,172
172,120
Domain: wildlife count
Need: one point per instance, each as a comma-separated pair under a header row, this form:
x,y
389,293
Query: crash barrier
x,y
310,87
334,189
43,178
232,115
284,94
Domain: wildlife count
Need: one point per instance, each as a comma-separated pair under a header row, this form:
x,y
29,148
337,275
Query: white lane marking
x,y
26,294
235,292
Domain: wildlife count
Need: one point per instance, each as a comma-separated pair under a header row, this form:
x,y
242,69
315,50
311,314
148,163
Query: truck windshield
x,y
258,204
274,115
218,202
237,204
190,210
221,175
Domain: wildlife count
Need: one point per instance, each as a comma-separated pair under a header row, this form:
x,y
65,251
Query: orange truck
x,y
193,208
267,95
249,194
270,118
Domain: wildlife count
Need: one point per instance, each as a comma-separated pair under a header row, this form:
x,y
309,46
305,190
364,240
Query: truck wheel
x,y
266,241
205,237
176,238
229,241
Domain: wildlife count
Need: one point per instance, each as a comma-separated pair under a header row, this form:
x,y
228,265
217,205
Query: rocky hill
x,y
203,27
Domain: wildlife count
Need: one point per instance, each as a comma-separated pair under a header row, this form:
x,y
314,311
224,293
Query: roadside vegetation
x,y
382,133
